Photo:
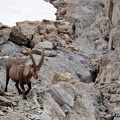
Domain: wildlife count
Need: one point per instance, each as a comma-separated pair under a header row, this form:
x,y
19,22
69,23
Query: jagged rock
x,y
23,32
28,28
61,96
4,34
36,39
18,37
53,108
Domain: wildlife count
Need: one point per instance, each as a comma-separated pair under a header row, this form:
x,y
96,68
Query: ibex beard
x,y
22,73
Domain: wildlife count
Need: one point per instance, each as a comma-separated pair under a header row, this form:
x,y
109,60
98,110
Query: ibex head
x,y
36,68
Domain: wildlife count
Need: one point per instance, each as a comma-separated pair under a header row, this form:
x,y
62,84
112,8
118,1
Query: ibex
x,y
22,73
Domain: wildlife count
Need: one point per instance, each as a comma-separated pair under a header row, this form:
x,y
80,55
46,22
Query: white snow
x,y
12,11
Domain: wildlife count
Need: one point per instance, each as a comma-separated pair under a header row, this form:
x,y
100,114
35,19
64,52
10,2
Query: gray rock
x,y
63,43
10,48
46,45
61,96
109,117
103,108
47,53
5,102
116,118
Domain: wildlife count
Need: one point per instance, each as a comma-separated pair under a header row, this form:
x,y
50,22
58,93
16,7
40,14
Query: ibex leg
x,y
17,86
7,78
23,90
29,88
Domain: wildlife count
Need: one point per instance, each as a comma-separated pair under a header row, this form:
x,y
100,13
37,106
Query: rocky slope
x,y
81,47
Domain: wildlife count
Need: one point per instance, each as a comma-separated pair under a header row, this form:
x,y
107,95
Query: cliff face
x,y
81,47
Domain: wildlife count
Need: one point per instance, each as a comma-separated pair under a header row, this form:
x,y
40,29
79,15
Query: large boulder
x,y
61,96
4,33
9,48
22,33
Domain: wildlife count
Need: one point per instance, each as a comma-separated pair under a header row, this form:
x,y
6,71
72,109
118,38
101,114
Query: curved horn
x,y
42,59
32,58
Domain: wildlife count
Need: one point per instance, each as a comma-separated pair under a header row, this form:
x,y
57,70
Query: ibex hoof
x,y
20,93
24,98
5,90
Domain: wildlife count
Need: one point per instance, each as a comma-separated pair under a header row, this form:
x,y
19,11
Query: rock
x,y
66,77
1,92
36,39
14,116
102,114
109,72
62,11
109,117
110,107
52,107
116,111
50,28
42,31
4,34
27,28
23,33
66,38
5,102
64,28
10,48
116,118
18,37
2,113
105,102
63,43
66,108
104,24
112,90
50,53
46,45
103,108
114,38
61,96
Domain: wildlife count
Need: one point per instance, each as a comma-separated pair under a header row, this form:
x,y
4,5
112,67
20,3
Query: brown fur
x,y
22,73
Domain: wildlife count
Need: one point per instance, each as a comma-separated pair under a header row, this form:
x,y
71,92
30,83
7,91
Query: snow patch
x,y
12,11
